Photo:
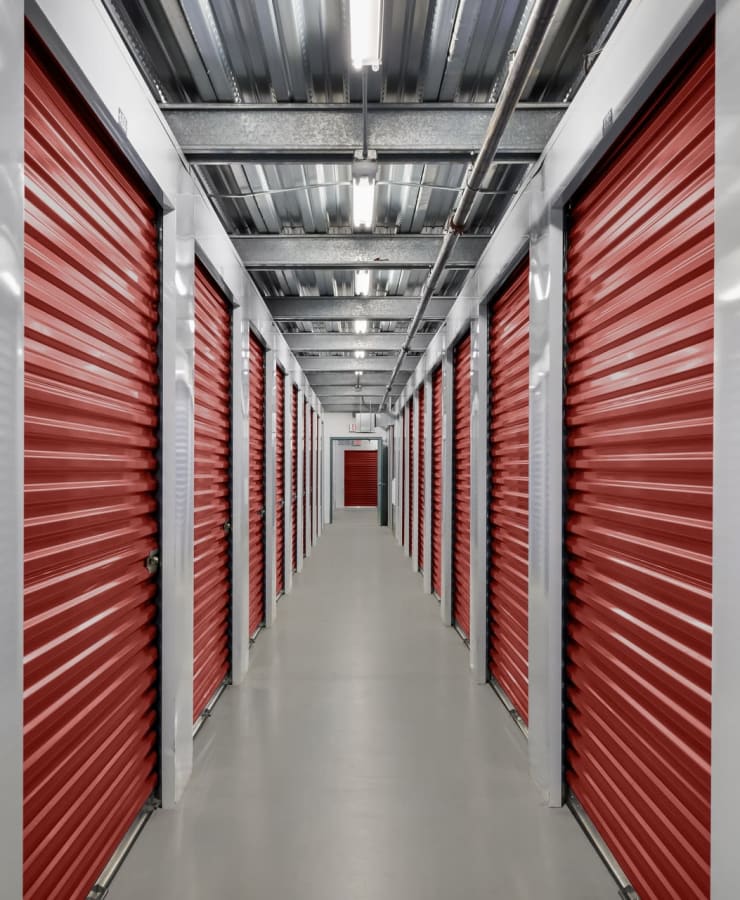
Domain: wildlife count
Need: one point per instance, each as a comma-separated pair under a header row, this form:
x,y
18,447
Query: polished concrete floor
x,y
358,761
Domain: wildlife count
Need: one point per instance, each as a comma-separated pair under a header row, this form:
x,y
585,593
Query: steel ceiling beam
x,y
331,342
327,380
217,134
318,309
311,364
366,390
353,251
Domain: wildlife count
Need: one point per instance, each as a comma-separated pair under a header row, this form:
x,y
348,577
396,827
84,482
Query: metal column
x,y
11,446
479,495
270,501
546,506
240,498
448,448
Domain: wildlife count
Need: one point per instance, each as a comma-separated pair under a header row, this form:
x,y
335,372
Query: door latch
x,y
152,562
227,528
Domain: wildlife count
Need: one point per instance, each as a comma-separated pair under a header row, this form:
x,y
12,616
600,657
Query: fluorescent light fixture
x,y
362,282
359,373
365,32
359,354
360,326
363,202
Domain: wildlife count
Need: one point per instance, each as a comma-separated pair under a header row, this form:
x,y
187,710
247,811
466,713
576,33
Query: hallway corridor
x,y
358,761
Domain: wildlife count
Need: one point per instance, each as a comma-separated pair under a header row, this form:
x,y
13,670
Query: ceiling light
x,y
360,326
365,32
359,373
362,282
363,202
359,354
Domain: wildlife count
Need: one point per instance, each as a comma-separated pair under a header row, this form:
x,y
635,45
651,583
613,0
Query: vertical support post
x,y
270,500
240,498
448,447
301,503
406,463
397,475
414,486
726,511
309,479
546,503
288,484
11,447
177,489
479,495
316,478
428,451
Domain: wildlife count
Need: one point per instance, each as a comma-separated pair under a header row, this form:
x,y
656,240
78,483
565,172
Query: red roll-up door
x,y
91,472
404,469
257,586
411,479
360,477
294,479
311,465
212,507
639,502
420,475
279,481
508,499
461,487
436,459
304,510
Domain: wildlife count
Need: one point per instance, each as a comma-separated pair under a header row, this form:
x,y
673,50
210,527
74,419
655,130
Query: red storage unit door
x,y
360,477
410,523
257,586
279,481
310,473
212,508
436,460
508,498
402,501
294,479
91,512
461,487
639,501
420,476
304,509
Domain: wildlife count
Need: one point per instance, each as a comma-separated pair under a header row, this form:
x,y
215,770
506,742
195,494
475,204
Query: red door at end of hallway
x,y
294,479
639,407
508,498
279,481
436,498
257,447
92,409
360,477
420,476
461,487
212,491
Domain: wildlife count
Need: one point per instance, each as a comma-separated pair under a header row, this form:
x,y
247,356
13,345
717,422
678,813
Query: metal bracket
x,y
152,562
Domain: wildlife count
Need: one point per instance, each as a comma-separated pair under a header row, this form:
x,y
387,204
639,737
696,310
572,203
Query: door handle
x,y
152,562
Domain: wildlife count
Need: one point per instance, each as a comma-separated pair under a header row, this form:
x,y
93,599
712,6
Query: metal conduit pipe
x,y
524,60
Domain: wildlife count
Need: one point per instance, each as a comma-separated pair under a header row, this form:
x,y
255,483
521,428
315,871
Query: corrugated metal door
x,y
461,487
639,502
360,477
508,498
420,475
257,572
212,508
304,510
410,523
294,479
404,469
279,481
311,463
91,512
436,459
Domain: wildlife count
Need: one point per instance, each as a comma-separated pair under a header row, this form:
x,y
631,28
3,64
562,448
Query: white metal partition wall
x,y
414,483
11,445
445,606
270,499
726,559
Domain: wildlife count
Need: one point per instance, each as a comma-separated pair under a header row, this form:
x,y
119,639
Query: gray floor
x,y
359,762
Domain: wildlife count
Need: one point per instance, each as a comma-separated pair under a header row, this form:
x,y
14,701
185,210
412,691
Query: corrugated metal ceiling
x,y
297,51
